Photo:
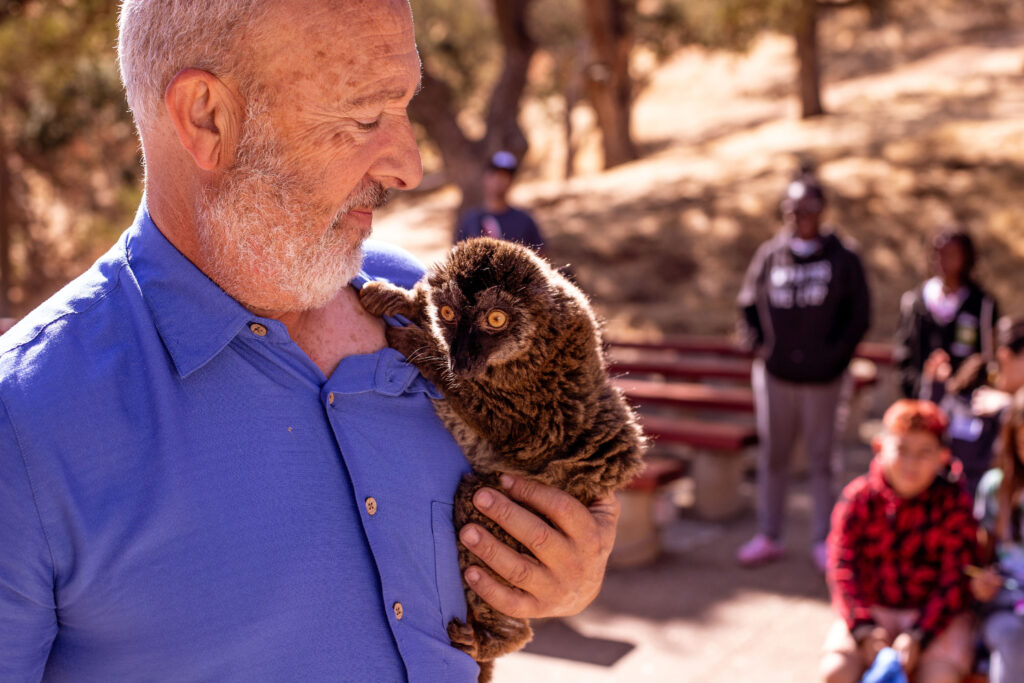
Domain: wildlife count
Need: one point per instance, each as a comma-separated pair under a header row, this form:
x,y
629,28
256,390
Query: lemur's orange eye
x,y
497,319
447,314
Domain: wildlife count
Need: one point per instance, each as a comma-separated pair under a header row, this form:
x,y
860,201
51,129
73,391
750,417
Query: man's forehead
x,y
366,49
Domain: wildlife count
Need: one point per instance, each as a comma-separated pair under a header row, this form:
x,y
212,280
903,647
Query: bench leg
x,y
637,539
717,479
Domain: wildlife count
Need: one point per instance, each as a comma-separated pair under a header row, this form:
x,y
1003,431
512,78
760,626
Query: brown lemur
x,y
516,351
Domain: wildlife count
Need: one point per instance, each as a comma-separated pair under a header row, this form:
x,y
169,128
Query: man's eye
x,y
368,125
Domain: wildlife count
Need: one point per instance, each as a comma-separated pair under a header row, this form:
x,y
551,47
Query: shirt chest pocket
x,y
450,594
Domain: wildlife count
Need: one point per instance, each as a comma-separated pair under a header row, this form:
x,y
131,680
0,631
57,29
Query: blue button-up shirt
x,y
185,496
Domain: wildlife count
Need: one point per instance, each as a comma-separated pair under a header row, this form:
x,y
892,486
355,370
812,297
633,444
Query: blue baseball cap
x,y
503,160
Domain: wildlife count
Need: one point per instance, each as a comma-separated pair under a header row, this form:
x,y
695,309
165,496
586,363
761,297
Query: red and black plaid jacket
x,y
901,553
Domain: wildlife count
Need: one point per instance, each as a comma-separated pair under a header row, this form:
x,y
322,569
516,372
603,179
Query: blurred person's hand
x,y
871,644
908,648
985,584
986,401
937,367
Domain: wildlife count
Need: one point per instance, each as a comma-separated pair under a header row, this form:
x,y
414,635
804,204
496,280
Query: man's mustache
x,y
372,196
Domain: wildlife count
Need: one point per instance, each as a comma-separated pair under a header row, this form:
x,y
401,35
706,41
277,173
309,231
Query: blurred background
x,y
656,136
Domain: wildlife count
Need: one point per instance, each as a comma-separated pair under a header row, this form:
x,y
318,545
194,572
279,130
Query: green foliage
x,y
66,131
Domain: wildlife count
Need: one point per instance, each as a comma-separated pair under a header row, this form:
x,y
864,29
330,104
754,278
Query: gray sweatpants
x,y
784,411
1004,637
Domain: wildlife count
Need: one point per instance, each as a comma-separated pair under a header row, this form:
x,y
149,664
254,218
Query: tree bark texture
x,y
606,77
809,61
434,109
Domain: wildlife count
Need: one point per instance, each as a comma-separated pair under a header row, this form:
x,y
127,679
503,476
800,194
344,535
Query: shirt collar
x,y
195,318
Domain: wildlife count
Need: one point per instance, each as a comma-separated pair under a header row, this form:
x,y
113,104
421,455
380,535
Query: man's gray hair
x,y
159,38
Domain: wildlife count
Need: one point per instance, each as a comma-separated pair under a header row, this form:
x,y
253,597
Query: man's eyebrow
x,y
382,96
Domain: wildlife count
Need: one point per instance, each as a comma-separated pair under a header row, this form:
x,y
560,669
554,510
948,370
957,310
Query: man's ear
x,y
876,444
947,456
206,116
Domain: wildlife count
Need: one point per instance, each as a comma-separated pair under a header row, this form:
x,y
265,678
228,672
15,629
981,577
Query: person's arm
x,y
844,545
907,342
749,328
958,537
28,618
854,318
570,553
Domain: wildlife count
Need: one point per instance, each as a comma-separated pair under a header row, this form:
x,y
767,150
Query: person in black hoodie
x,y
804,308
947,319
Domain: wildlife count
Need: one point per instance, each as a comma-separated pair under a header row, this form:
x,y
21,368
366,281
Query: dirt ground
x,y
925,128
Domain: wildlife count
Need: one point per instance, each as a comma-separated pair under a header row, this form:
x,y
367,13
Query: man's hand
x,y
570,555
871,644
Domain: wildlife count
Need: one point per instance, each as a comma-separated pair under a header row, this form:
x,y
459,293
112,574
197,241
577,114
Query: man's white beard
x,y
259,234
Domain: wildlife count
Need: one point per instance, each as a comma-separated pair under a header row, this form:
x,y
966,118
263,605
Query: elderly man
x,y
211,468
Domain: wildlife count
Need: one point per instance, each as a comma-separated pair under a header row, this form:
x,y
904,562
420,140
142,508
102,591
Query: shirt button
x,y
258,330
330,398
398,610
371,505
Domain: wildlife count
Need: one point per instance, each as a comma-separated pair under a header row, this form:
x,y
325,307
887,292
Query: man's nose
x,y
399,165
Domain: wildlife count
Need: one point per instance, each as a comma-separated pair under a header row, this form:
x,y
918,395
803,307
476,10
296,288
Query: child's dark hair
x,y
1008,459
959,236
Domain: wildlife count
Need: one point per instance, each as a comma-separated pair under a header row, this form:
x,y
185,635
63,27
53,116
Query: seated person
x,y
999,508
949,317
496,218
902,537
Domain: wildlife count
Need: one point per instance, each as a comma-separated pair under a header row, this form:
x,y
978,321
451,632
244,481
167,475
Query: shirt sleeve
x,y
849,518
959,537
855,318
749,327
905,353
28,620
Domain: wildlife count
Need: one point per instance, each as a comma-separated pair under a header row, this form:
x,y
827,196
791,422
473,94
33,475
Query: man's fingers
x,y
526,527
518,569
510,601
564,511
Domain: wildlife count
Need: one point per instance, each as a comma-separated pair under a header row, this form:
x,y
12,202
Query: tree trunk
x,y
878,11
606,76
434,109
808,58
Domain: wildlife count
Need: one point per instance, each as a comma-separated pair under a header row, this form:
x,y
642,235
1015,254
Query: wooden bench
x,y
682,367
687,395
638,538
879,353
718,463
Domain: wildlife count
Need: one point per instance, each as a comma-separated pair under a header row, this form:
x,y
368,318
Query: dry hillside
x,y
926,126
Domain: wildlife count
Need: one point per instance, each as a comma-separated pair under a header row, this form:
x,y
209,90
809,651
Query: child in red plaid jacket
x,y
902,536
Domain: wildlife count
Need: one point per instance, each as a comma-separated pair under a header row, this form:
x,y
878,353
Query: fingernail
x,y
470,536
472,575
484,499
507,481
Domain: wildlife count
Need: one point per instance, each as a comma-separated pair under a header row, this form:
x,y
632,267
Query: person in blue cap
x,y
496,218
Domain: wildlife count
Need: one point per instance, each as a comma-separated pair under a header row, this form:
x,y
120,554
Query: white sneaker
x,y
759,550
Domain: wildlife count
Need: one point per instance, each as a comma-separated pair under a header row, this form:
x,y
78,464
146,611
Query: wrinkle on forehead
x,y
345,43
